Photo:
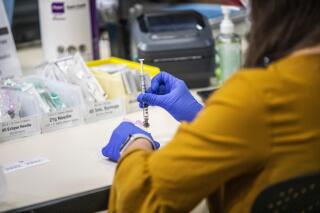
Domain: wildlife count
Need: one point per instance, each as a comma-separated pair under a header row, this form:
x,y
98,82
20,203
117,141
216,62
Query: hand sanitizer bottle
x,y
228,46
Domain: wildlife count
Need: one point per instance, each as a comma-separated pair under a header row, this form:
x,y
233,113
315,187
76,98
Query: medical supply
x,y
173,95
145,110
51,98
47,99
131,81
130,77
228,46
28,88
119,80
70,95
73,70
10,105
67,27
179,42
111,83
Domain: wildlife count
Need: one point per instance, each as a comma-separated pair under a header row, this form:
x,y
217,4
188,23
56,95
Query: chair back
x,y
300,194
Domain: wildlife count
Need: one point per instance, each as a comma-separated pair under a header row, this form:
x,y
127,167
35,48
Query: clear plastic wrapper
x,y
49,97
10,105
70,94
74,70
22,114
52,71
29,104
16,104
107,75
27,87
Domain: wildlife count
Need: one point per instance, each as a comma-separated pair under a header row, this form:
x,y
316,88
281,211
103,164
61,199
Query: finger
x,y
157,144
149,90
161,78
156,80
141,103
150,99
163,89
106,151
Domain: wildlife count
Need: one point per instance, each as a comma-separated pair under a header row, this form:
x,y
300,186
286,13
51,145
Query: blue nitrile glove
x,y
173,95
121,135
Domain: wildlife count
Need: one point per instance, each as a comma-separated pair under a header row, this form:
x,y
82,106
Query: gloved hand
x,y
121,136
173,95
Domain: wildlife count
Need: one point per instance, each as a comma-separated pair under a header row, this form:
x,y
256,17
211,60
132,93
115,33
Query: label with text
x,y
19,128
104,110
22,164
56,120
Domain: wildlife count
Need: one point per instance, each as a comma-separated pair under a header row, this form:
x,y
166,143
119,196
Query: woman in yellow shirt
x,y
261,127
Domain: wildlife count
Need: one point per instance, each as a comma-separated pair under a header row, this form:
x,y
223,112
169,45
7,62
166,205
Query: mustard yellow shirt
x,y
261,127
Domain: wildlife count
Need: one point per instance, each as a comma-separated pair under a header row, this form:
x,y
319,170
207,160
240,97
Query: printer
x,y
179,42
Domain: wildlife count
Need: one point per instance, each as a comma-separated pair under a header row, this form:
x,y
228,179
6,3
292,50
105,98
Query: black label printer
x,y
179,42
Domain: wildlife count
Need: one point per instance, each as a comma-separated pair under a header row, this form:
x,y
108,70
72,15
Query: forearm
x,y
140,143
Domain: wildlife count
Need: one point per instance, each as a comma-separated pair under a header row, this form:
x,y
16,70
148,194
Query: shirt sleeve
x,y
229,138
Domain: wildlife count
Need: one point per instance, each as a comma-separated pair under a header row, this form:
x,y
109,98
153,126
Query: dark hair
x,y
280,27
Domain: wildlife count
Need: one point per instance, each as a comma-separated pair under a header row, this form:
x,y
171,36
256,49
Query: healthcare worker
x,y
261,127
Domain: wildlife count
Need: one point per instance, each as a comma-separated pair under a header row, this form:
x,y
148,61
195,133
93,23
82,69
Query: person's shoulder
x,y
254,77
245,84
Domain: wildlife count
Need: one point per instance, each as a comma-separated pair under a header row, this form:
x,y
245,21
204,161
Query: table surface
x,y
75,165
75,161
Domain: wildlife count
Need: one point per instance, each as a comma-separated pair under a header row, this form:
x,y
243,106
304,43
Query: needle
x,y
145,110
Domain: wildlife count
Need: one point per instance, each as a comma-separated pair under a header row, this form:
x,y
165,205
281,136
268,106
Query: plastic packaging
x,y
73,70
10,105
111,83
27,87
29,104
119,80
129,84
69,94
228,46
49,97
23,102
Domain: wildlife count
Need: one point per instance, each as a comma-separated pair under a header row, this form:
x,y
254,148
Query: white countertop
x,y
75,161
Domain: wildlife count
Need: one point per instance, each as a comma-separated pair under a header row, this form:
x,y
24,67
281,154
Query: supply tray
x,y
76,115
130,102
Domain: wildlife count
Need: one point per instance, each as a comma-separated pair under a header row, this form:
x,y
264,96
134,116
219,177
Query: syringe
x,y
145,110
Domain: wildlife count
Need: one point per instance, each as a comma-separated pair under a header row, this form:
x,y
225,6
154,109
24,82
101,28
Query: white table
x,y
76,164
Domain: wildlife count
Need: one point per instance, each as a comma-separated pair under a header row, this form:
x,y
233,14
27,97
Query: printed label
x,y
57,120
19,128
57,7
107,109
22,164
